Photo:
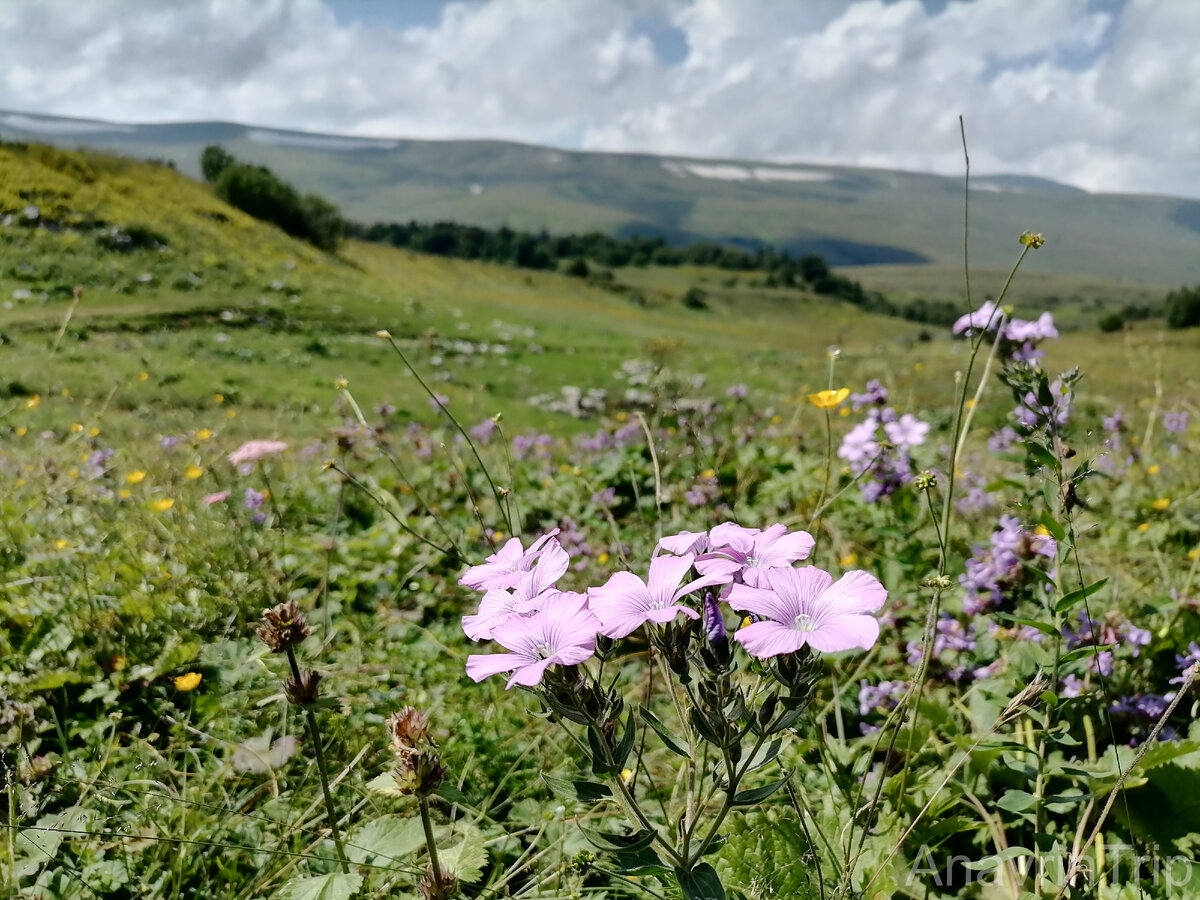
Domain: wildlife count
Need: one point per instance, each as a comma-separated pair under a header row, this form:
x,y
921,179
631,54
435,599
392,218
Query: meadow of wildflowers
x,y
881,633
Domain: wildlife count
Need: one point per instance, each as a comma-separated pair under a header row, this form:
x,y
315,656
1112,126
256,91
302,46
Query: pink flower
x,y
752,552
806,606
684,542
504,568
218,497
252,451
532,593
564,634
626,602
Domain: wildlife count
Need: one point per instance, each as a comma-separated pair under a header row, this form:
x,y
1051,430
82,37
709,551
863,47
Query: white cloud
x,y
1059,88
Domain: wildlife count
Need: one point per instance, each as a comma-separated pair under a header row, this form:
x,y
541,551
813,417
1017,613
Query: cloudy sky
x,y
1103,94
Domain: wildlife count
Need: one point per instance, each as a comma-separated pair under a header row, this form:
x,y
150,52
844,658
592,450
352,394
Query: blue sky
x,y
1103,94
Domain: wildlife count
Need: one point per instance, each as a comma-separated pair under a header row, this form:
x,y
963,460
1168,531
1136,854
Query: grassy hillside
x,y
851,216
210,314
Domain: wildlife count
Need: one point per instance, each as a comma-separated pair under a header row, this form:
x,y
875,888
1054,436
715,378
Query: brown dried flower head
x,y
408,728
283,626
434,888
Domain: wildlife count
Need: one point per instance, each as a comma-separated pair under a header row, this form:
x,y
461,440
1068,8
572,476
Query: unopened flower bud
x,y
936,582
926,481
283,626
303,691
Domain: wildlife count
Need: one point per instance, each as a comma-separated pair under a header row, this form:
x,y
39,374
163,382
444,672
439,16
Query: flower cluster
x,y
789,608
995,572
1018,338
883,458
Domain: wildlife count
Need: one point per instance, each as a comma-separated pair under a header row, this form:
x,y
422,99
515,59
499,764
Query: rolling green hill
x,y
851,216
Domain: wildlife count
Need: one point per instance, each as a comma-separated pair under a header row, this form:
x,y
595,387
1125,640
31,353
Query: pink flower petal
x,y
856,591
842,632
767,638
483,665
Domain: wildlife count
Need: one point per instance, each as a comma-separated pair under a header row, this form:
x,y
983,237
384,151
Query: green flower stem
x,y
314,735
430,843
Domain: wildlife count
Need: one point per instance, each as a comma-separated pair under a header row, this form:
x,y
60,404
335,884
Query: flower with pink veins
x,y
626,602
772,548
806,606
529,596
562,634
504,568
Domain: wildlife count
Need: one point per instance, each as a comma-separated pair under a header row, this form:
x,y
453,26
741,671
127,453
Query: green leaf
x,y
580,791
1075,596
385,784
662,731
389,838
989,863
625,747
334,886
467,858
701,883
613,843
1041,455
1081,652
1052,525
765,755
757,795
1016,801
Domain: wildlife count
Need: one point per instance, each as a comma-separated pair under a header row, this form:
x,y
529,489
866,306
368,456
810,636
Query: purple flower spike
x,y
806,606
626,602
563,634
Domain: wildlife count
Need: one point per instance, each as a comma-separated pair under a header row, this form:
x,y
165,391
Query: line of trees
x,y
259,192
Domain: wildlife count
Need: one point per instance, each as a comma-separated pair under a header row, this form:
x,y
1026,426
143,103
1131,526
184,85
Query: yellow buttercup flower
x,y
626,774
93,432
828,399
124,493
137,476
188,682
1042,530
602,559
192,472
33,402
621,416
848,560
1193,553
22,431
1145,526
1162,503
143,376
162,504
203,434
1152,470
218,398
843,411
76,428
708,473
61,544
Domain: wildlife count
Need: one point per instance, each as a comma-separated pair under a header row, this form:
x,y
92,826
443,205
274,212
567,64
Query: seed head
x,y
303,691
408,728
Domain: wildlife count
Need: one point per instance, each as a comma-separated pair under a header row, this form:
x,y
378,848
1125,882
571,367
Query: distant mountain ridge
x,y
852,216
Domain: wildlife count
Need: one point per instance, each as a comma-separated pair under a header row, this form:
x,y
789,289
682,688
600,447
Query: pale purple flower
x,y
986,318
860,445
771,548
1019,331
253,499
504,568
484,429
1002,438
563,634
805,606
1175,422
736,392
626,602
874,395
1114,423
253,451
907,431
684,542
531,595
437,402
